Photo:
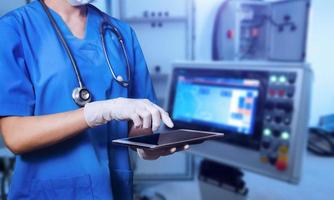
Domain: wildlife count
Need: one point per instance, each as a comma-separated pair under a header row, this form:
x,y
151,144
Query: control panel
x,y
261,107
278,117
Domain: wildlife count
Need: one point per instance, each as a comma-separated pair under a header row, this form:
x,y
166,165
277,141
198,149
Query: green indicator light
x,y
285,135
273,78
282,79
267,132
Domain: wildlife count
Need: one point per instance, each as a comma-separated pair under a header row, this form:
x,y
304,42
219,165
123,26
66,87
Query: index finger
x,y
165,117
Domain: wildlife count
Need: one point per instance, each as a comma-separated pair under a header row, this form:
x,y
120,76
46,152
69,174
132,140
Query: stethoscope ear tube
x,y
108,26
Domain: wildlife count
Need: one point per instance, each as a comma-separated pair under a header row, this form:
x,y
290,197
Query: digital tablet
x,y
168,139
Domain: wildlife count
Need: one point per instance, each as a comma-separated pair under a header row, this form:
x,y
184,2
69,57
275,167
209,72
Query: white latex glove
x,y
143,113
155,154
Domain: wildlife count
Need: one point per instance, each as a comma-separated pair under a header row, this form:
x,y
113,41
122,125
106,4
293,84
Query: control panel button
x,y
277,133
285,135
267,132
287,120
286,106
278,119
273,79
282,163
284,149
281,93
272,92
273,159
269,105
283,79
268,118
292,78
264,159
290,93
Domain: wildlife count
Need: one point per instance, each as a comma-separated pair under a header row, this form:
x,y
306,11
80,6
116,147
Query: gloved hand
x,y
143,113
155,154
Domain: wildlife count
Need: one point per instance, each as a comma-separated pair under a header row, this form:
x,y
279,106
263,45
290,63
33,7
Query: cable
x,y
321,142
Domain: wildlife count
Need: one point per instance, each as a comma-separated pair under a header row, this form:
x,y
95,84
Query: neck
x,y
66,10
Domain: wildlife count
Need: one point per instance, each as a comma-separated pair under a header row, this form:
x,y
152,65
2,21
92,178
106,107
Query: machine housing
x,y
274,142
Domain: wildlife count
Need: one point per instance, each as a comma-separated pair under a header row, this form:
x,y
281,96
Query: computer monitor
x,y
222,103
261,107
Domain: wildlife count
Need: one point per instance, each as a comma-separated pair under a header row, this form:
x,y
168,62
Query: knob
x,y
277,133
268,118
273,158
290,93
292,78
278,119
287,121
286,106
266,144
269,105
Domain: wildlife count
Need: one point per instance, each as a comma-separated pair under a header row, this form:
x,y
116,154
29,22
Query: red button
x,y
230,34
281,93
281,165
272,92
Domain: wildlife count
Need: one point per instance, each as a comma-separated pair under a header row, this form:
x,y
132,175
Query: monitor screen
x,y
221,103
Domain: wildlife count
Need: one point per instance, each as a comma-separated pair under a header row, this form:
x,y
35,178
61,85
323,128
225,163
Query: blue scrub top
x,y
36,78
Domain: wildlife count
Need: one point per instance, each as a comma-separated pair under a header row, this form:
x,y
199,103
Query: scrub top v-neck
x,y
36,78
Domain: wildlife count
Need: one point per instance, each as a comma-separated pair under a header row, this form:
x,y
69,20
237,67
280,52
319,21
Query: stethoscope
x,y
81,94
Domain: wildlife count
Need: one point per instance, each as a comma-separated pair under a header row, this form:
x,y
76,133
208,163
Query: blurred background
x,y
257,70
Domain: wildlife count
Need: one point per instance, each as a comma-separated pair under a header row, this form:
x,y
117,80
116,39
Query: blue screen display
x,y
222,103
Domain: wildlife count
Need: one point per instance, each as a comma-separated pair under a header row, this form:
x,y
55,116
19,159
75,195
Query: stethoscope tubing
x,y
64,43
105,25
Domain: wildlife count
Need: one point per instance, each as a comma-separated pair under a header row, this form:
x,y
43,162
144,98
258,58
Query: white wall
x,y
7,5
205,14
321,56
320,49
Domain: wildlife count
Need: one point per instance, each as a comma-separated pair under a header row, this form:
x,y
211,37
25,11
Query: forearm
x,y
25,134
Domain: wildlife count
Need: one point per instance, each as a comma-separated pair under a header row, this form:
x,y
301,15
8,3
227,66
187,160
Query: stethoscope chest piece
x,y
81,96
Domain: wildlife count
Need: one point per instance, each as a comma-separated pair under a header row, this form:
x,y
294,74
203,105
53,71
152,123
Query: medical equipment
x,y
81,95
261,107
261,30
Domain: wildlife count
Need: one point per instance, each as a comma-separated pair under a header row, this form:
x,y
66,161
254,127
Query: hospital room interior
x,y
257,71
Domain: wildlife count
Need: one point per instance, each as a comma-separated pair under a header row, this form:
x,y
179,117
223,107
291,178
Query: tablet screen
x,y
170,137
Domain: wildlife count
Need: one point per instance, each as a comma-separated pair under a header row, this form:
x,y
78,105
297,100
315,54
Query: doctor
x,y
64,95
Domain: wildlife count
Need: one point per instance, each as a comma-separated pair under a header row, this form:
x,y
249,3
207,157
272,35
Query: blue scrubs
x,y
36,78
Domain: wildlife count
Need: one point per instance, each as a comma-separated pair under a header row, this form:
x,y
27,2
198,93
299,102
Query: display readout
x,y
224,103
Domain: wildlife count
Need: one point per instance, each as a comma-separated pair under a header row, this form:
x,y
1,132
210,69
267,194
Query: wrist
x,y
94,114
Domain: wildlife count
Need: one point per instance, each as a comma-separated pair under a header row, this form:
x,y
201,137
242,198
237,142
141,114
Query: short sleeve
x,y
16,90
142,87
